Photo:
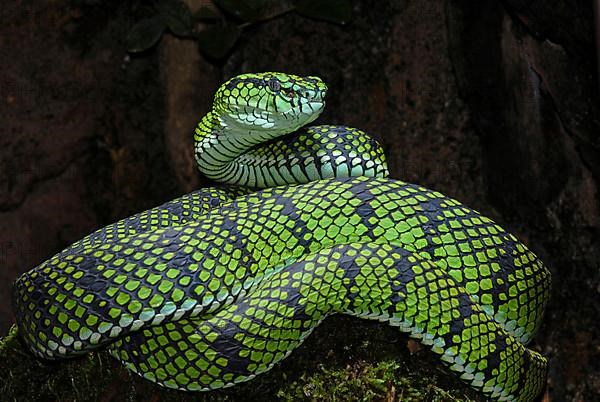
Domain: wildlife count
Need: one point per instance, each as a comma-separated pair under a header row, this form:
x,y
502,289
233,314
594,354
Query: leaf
x,y
145,34
177,15
337,11
247,10
216,41
208,14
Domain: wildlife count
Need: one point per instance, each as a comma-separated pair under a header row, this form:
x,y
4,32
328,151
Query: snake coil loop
x,y
217,286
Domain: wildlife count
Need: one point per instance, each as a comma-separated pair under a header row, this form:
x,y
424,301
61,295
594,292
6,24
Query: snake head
x,y
276,102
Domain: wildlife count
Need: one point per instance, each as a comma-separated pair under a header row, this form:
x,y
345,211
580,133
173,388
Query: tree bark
x,y
184,75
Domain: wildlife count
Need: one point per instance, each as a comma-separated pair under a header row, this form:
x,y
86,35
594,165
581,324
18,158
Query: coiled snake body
x,y
217,286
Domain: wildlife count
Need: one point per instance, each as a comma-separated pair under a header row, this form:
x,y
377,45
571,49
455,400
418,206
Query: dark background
x,y
493,103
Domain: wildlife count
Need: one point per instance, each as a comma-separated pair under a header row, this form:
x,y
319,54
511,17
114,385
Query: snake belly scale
x,y
217,286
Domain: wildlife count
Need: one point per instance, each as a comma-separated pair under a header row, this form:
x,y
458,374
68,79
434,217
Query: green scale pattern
x,y
215,287
274,264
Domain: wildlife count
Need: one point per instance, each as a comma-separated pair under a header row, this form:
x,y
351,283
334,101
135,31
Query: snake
x,y
219,285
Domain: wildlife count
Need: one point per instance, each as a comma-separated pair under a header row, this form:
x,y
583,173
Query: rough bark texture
x,y
527,74
495,104
185,74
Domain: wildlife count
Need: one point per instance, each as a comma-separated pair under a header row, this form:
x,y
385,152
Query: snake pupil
x,y
274,84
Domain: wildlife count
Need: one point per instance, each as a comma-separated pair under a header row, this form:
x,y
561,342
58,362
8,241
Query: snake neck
x,y
259,158
223,152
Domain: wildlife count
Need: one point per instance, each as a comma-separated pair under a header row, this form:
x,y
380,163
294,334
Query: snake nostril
x,y
310,95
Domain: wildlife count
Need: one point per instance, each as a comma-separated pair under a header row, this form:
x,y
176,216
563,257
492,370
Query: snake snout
x,y
313,95
318,89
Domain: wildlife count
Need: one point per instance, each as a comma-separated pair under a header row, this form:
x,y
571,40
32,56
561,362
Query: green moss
x,y
23,377
385,380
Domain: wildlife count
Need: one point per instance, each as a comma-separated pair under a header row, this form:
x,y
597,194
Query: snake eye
x,y
274,84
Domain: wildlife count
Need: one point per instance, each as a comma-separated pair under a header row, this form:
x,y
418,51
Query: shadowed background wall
x,y
494,103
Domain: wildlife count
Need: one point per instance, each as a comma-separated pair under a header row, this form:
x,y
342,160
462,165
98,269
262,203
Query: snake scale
x,y
217,286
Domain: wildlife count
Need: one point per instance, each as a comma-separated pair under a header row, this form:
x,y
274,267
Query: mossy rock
x,y
345,359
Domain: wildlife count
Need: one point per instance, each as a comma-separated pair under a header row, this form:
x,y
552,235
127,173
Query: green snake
x,y
217,286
